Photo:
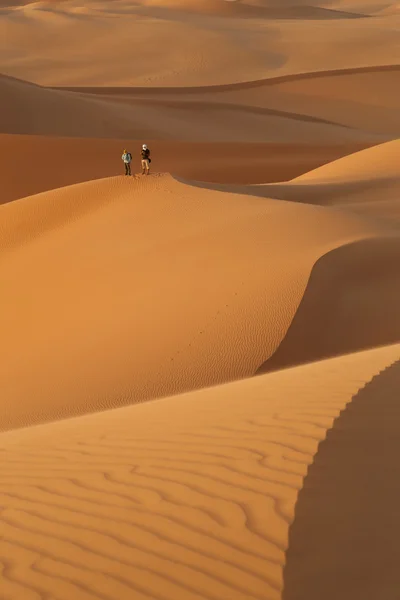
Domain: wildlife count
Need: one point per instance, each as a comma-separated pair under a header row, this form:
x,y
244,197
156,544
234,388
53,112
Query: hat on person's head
x,y
144,147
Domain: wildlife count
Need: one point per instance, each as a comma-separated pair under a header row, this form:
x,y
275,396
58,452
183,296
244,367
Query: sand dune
x,y
366,182
343,504
31,109
372,163
167,266
188,497
352,301
199,369
55,162
211,49
363,98
241,9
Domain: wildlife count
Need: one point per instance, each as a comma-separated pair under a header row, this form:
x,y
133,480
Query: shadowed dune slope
x,y
56,162
140,456
126,289
191,496
364,98
350,498
247,9
31,109
351,303
366,182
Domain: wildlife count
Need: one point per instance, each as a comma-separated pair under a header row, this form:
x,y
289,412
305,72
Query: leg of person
x,y
147,167
143,167
126,168
129,169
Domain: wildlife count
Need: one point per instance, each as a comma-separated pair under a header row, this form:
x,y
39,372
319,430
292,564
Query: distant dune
x,y
366,182
31,109
217,44
373,163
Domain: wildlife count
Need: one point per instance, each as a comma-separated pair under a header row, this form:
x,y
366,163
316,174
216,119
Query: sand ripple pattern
x,y
187,497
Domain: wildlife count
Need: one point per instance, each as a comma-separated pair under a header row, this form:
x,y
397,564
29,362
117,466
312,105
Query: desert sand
x,y
199,368
193,496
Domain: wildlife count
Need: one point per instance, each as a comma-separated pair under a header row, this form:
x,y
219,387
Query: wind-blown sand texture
x,y
193,496
199,369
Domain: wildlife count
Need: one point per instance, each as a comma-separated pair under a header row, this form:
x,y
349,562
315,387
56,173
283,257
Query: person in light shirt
x,y
127,158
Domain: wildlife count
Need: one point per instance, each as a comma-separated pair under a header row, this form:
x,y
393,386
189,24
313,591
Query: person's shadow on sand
x,y
344,543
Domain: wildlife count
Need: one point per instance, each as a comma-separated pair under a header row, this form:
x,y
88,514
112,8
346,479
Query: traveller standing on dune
x,y
146,160
127,157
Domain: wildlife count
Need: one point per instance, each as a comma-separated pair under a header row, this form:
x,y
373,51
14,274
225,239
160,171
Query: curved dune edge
x,y
191,160
33,109
85,107
222,8
209,51
124,290
191,496
229,86
350,496
376,162
350,304
366,174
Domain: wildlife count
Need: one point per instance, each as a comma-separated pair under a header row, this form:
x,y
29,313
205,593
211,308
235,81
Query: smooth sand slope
x,y
194,496
140,456
216,43
352,296
360,282
381,161
366,182
364,98
125,289
31,109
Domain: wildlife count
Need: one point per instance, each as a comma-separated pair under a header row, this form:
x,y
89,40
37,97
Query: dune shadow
x,y
344,540
317,194
351,303
228,87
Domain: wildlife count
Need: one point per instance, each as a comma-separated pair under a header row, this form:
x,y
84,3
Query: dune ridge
x,y
191,495
343,501
370,163
199,369
269,81
212,49
207,239
56,162
365,179
32,109
347,312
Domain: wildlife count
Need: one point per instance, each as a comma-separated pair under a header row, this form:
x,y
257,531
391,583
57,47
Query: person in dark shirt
x,y
146,160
